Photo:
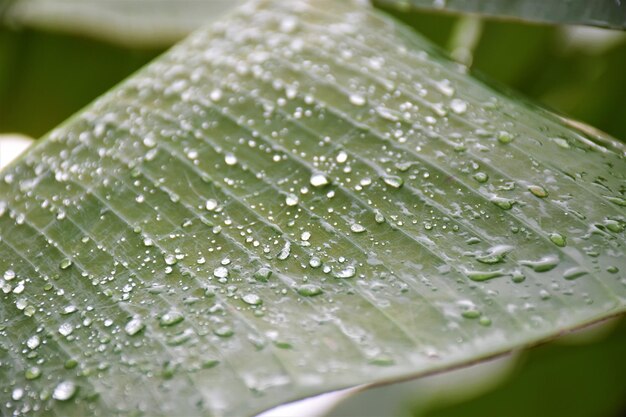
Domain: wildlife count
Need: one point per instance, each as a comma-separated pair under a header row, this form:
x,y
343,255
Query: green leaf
x,y
130,22
305,196
604,13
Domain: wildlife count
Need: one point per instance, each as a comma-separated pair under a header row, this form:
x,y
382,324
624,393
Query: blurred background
x,y
51,68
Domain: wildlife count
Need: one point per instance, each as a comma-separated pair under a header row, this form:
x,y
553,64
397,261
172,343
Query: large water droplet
x,y
134,326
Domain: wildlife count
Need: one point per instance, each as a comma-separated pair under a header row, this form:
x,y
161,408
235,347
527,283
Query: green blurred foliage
x,y
46,77
553,380
578,72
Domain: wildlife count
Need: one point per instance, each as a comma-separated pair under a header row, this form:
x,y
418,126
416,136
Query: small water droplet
x,y
263,274
357,228
65,263
503,203
170,259
66,329
220,272
342,157
252,299
481,177
347,272
224,331
544,264
211,204
230,159
538,191
134,326
504,137
291,200
357,100
32,373
318,180
9,274
573,273
64,391
393,181
33,342
309,290
483,275
494,255
458,106
171,318
558,239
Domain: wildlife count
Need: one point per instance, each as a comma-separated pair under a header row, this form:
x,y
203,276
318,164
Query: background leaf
x,y
605,13
305,197
152,23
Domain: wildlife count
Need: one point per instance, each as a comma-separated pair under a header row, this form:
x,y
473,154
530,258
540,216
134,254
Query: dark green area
x,y
583,81
46,77
557,380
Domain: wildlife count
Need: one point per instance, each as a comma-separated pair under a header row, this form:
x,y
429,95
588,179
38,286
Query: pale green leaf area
x,y
303,197
129,22
603,13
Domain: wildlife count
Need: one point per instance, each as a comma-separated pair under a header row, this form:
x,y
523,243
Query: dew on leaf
x,y
318,180
309,290
171,318
393,181
544,264
357,228
252,299
65,263
573,273
263,274
64,391
481,177
558,239
291,200
134,326
32,372
538,191
220,272
483,275
348,272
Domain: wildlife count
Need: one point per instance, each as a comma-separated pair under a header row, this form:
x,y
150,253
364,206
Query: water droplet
x,y
170,259
210,204
347,272
33,342
291,200
216,94
544,264
230,159
32,373
357,100
393,181
458,106
483,275
471,314
318,180
64,391
252,299
134,326
357,228
65,263
504,137
558,239
382,360
495,254
342,157
481,177
17,394
309,290
503,203
171,318
573,273
224,331
561,142
285,251
315,262
9,274
538,191
66,329
263,274
220,272
379,218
